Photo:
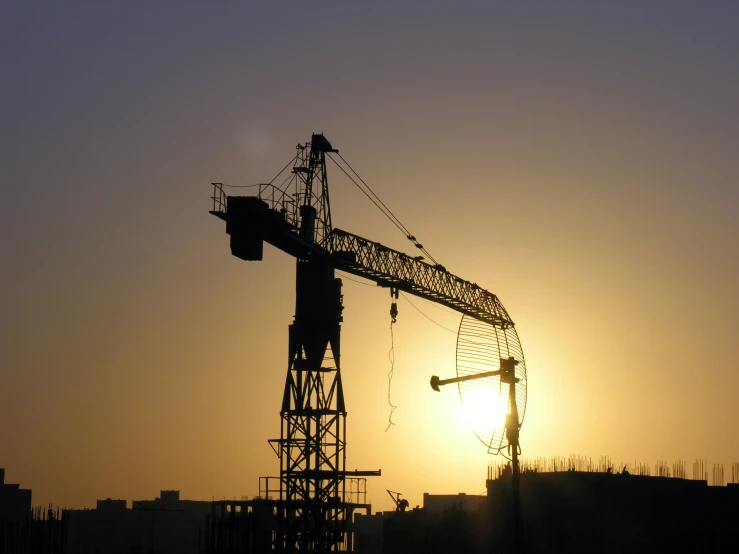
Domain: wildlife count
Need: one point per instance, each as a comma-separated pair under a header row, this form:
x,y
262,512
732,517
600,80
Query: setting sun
x,y
485,405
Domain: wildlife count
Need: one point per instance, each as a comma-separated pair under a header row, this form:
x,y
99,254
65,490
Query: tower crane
x,y
313,505
401,504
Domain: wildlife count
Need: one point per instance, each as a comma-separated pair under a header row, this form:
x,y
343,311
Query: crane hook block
x,y
394,306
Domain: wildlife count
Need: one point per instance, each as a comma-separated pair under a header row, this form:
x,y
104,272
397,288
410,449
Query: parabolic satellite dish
x,y
480,348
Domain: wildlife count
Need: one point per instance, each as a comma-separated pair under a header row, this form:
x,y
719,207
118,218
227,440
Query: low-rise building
x,y
165,525
15,502
439,503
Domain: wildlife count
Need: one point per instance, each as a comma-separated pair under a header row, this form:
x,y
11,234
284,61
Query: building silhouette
x,y
441,520
15,502
565,511
574,511
616,512
27,530
165,525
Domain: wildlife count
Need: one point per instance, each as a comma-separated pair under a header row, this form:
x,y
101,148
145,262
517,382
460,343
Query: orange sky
x,y
579,162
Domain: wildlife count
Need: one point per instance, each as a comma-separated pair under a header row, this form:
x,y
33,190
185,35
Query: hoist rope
x,y
426,316
432,320
346,276
391,357
459,339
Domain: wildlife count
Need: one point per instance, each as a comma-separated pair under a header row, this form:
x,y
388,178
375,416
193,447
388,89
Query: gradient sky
x,y
578,159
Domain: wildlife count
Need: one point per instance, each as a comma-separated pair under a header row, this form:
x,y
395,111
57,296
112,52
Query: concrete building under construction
x,y
578,511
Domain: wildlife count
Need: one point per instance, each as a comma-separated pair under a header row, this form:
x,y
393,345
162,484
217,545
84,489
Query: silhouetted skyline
x,y
579,161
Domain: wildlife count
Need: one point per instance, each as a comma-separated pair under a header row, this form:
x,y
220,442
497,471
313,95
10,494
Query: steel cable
x,y
391,357
377,201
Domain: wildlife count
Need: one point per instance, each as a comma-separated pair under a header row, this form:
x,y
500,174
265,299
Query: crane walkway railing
x,y
281,202
219,200
277,199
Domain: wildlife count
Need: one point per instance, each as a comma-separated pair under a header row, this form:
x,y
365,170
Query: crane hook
x,y
394,305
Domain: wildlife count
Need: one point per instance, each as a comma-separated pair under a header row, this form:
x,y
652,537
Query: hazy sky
x,y
578,159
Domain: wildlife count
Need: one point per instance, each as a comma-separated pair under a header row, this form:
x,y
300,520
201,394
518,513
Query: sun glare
x,y
485,408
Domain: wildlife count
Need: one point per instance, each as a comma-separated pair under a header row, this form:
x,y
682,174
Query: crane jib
x,y
391,268
250,222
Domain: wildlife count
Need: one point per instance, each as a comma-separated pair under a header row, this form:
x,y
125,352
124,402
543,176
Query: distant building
x,y
165,525
439,503
178,525
241,526
110,527
368,531
25,530
442,529
372,531
15,502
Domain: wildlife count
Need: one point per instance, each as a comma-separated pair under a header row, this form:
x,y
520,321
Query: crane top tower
x,y
315,493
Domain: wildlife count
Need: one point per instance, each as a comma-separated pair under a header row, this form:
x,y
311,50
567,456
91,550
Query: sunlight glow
x,y
485,408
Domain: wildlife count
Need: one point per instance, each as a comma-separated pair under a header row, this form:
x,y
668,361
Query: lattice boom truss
x,y
374,261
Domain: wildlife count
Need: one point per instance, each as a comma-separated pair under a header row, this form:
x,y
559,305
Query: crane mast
x,y
315,208
315,493
314,501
